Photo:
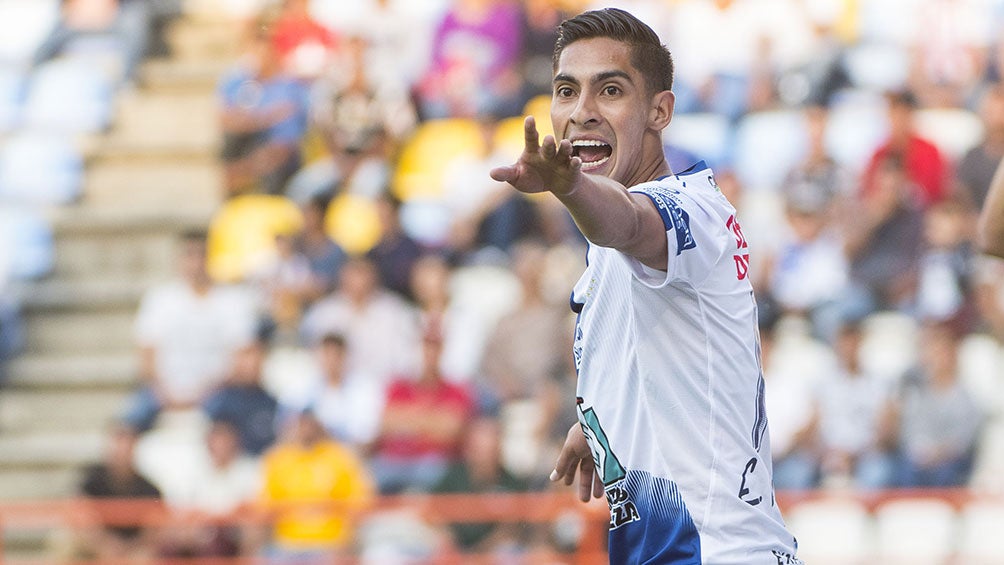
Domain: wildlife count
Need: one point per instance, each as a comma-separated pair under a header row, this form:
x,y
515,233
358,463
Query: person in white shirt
x,y
672,427
187,331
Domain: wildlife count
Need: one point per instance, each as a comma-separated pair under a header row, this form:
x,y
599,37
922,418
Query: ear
x,y
662,109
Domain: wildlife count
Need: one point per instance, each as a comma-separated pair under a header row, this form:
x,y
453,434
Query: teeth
x,y
594,164
588,143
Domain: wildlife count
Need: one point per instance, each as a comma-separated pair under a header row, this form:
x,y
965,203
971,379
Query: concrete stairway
x,y
152,176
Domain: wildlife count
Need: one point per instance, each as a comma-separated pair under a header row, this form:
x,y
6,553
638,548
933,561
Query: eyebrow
x,y
599,77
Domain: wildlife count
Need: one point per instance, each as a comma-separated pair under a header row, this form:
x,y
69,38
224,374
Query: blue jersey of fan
x,y
670,390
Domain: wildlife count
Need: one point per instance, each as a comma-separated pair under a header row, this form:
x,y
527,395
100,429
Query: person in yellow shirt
x,y
313,487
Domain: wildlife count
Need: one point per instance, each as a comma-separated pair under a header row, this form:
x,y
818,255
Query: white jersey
x,y
670,390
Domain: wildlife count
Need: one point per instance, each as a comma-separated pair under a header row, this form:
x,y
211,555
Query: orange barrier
x,y
440,509
537,507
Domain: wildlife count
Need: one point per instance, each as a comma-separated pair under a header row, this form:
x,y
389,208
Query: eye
x,y
564,91
611,90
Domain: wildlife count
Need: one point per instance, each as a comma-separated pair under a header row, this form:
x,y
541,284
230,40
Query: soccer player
x,y
671,428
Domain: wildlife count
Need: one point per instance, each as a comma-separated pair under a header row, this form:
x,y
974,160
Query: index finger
x,y
530,136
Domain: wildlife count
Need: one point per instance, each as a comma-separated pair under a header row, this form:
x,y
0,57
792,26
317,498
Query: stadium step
x,y
168,124
28,412
51,450
120,244
111,371
39,484
180,76
153,184
74,332
204,35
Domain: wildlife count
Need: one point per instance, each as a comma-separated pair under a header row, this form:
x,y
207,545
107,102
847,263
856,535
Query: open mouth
x,y
593,153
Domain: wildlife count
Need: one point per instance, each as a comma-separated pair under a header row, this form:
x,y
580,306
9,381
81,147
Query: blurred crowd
x,y
404,327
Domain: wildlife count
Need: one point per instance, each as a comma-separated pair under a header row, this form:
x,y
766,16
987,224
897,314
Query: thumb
x,y
503,174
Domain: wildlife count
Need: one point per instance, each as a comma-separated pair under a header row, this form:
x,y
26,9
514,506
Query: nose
x,y
585,112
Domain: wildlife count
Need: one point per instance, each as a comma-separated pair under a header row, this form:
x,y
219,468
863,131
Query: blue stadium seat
x,y
37,168
66,95
767,146
24,24
26,241
12,86
706,135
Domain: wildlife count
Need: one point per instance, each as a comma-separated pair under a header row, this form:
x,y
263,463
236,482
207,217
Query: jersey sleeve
x,y
696,237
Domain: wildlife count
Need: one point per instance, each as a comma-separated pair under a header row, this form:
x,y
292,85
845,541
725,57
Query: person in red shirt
x,y
924,163
304,45
422,424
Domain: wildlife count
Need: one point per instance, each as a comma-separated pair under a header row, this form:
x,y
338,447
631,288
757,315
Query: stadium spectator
x,y
464,333
486,217
422,423
116,477
808,272
923,162
222,482
348,404
313,486
304,46
263,117
242,401
526,346
947,266
187,330
794,419
940,421
395,254
976,169
475,61
285,284
355,112
324,257
856,414
883,242
379,327
480,470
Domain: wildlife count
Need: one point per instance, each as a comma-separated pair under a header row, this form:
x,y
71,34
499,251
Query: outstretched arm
x,y
991,224
606,213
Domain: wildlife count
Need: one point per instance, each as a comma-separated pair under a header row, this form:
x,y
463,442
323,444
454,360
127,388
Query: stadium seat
x,y
778,135
242,234
982,372
889,345
428,153
26,243
707,135
953,130
877,66
988,469
915,531
857,125
24,24
981,539
65,95
12,87
353,222
831,531
540,108
508,138
37,168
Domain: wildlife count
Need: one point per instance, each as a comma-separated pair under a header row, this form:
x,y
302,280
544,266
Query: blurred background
x,y
250,257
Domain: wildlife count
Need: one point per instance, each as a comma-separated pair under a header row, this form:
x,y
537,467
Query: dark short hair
x,y
648,54
334,339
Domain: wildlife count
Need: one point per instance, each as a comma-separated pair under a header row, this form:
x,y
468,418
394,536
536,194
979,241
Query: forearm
x,y
990,229
610,216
